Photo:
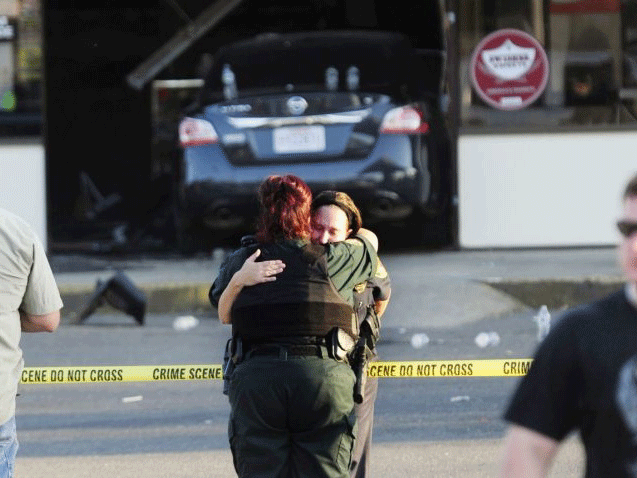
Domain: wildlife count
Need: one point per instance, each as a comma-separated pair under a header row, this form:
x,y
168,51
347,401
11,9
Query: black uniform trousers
x,y
292,416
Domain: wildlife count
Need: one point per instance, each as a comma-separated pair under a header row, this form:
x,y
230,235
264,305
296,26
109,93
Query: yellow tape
x,y
161,373
128,373
451,368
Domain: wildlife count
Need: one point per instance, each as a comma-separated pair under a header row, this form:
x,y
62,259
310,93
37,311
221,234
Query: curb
x,y
182,298
557,293
160,299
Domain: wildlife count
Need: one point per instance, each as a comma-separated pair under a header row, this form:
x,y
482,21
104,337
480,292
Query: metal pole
x,y
180,42
453,65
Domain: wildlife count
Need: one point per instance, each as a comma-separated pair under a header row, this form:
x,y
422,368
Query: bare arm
x,y
39,323
251,273
383,290
227,298
380,306
527,453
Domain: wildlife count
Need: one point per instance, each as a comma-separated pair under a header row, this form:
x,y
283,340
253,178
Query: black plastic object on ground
x,y
120,293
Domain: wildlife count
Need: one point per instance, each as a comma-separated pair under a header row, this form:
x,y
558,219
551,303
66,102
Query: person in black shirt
x,y
583,378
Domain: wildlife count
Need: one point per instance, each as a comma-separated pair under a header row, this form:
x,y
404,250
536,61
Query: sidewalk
x,y
468,285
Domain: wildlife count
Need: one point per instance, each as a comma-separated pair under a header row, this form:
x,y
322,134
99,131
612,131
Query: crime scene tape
x,y
161,373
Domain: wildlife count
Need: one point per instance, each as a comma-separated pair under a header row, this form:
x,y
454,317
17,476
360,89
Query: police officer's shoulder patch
x,y
381,272
359,288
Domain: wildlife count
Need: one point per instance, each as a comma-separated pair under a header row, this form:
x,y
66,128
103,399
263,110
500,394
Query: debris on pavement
x,y
419,340
487,339
185,322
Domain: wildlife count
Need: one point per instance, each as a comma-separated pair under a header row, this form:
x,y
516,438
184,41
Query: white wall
x,y
23,184
537,190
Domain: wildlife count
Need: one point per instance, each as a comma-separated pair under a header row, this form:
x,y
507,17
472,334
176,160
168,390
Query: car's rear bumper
x,y
228,206
387,185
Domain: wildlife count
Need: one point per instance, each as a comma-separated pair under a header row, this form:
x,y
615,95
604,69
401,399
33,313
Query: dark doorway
x,y
103,192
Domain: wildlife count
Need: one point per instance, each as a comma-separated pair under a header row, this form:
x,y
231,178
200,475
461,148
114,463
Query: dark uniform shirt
x,y
348,263
289,414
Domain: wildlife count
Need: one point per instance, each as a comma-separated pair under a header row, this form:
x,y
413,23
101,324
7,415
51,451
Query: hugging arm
x,y
251,273
381,289
380,306
370,236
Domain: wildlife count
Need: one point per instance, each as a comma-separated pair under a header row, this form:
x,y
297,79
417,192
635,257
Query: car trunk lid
x,y
299,127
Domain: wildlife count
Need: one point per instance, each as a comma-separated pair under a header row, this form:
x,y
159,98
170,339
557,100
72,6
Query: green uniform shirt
x,y
349,264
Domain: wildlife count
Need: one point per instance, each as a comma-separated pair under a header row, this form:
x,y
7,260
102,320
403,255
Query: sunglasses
x,y
627,228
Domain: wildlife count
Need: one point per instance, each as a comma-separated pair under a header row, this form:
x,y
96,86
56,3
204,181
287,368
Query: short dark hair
x,y
631,188
344,202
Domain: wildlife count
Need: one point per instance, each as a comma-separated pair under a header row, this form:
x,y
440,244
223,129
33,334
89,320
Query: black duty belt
x,y
284,351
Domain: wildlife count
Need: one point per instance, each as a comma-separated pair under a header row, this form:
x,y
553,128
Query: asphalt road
x,y
424,427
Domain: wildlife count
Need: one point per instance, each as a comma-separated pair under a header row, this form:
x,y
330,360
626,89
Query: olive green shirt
x,y
26,284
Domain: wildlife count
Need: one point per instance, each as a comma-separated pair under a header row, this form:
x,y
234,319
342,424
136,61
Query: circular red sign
x,y
509,69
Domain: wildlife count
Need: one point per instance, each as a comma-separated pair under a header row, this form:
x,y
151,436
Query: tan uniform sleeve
x,y
41,295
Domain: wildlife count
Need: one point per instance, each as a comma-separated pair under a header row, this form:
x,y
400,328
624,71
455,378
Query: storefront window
x,y
591,47
20,67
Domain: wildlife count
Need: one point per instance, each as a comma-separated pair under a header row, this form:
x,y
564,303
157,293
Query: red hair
x,y
285,209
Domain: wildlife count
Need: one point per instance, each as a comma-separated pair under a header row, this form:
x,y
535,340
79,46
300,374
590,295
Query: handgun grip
x,y
360,370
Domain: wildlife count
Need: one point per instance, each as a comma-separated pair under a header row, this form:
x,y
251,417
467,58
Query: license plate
x,y
299,139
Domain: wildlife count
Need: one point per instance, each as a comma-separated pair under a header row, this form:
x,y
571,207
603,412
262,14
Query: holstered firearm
x,y
363,351
231,357
339,345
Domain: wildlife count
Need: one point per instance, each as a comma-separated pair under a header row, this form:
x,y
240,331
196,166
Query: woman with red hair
x,y
291,393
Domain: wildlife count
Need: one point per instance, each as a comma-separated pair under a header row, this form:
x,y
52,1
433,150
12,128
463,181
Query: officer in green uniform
x,y
291,392
335,217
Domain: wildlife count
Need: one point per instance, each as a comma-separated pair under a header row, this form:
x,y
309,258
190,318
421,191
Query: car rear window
x,y
298,62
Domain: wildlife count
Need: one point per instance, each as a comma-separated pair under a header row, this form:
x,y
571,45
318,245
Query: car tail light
x,y
194,132
404,120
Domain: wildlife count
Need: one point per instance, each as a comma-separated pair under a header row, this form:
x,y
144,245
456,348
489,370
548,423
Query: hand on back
x,y
253,272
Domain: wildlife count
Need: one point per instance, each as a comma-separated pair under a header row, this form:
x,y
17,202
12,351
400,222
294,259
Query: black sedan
x,y
344,110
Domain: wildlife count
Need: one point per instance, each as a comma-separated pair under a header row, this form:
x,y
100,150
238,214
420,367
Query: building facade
x,y
549,173
539,159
